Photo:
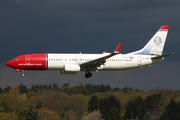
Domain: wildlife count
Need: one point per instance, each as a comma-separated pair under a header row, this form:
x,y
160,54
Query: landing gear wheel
x,y
22,74
88,74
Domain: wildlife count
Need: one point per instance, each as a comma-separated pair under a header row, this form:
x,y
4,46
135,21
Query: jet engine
x,y
70,69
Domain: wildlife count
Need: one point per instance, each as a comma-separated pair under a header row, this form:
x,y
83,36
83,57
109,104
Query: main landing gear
x,y
88,74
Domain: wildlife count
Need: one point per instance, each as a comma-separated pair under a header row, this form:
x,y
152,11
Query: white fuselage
x,y
117,62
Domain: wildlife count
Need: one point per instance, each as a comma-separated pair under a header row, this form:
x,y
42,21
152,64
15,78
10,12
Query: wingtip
x,y
117,50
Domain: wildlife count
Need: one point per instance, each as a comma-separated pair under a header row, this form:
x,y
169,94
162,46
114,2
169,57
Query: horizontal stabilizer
x,y
162,56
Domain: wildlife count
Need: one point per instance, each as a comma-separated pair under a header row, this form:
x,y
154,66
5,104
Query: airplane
x,y
72,63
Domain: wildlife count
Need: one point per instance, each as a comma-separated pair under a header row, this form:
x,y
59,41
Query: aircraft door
x,y
139,60
27,59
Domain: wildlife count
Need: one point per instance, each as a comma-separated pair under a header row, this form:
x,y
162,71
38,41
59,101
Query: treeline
x,y
135,109
87,102
86,89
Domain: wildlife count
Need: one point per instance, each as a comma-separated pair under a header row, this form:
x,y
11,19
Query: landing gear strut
x,y
88,74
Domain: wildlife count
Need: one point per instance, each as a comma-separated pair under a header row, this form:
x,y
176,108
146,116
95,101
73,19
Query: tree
x,y
49,114
55,87
8,116
102,88
110,108
93,103
114,114
108,87
39,104
6,90
13,98
130,111
94,115
104,107
171,112
29,114
35,88
140,107
1,90
135,109
65,85
153,102
5,107
23,89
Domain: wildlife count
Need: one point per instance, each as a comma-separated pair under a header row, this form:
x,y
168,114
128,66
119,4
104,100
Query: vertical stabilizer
x,y
156,44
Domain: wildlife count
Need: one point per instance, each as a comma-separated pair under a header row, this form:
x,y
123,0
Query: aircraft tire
x,y
88,74
22,74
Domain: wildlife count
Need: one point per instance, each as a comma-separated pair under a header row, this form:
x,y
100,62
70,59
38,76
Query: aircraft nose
x,y
9,63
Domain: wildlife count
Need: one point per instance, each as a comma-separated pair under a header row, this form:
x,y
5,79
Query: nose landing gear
x,y
88,74
22,72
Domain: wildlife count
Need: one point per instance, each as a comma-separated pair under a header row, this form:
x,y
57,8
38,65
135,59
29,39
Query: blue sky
x,y
45,26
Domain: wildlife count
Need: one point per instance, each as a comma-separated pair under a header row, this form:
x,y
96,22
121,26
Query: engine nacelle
x,y
70,69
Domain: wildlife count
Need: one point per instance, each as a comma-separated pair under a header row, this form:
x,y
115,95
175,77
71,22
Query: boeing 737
x,y
150,54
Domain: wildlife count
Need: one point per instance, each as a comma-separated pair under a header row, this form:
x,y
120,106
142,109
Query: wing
x,y
93,64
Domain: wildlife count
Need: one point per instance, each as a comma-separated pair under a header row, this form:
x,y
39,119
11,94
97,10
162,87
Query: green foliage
x,y
1,90
110,108
29,114
39,104
135,109
6,90
55,87
140,107
153,102
8,116
130,110
4,107
93,103
72,102
23,89
84,89
172,111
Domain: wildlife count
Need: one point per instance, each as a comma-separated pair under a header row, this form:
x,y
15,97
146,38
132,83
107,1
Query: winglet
x,y
117,50
104,51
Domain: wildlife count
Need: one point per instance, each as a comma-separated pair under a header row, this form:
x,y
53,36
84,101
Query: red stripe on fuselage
x,y
29,62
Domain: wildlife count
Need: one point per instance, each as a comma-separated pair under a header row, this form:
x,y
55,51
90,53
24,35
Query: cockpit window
x,y
16,58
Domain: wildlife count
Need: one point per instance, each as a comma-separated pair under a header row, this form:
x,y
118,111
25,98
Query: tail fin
x,y
156,44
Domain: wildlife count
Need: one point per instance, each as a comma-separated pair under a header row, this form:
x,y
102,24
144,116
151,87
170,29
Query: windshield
x,y
16,58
